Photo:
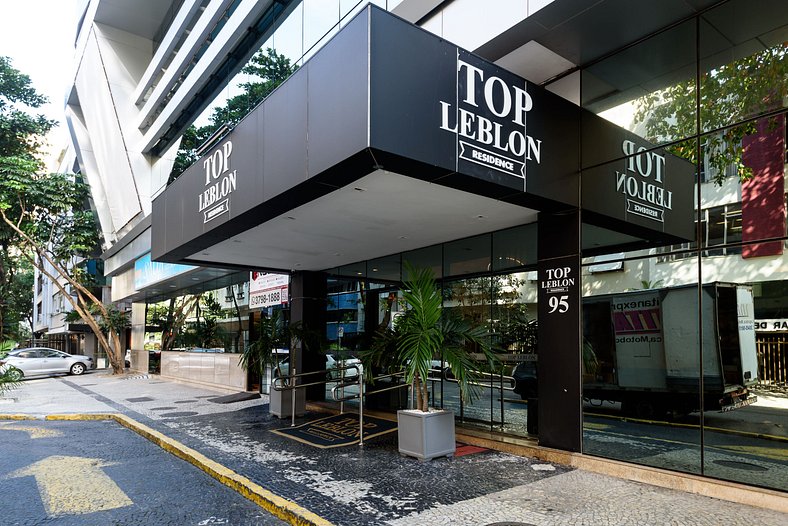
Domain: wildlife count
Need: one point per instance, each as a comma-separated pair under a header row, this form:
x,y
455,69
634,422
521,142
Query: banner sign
x,y
267,290
772,325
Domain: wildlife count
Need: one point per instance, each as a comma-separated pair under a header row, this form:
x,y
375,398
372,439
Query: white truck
x,y
641,349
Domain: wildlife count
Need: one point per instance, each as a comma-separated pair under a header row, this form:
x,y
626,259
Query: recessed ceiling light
x,y
291,218
172,286
481,217
358,189
195,279
237,241
403,237
360,273
374,269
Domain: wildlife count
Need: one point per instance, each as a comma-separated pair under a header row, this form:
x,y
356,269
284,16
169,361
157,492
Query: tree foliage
x,y
21,134
269,69
16,302
729,93
44,218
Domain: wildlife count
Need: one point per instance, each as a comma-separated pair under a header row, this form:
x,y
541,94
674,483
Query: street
x,y
97,472
115,476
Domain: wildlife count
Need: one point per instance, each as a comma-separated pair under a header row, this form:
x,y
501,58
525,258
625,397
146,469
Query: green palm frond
x,y
425,332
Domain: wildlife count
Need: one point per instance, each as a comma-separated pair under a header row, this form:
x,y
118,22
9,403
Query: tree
x,y
16,302
44,217
271,69
171,319
20,133
735,91
20,137
54,233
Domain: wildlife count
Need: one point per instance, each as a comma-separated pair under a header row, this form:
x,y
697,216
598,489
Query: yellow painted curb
x,y
276,505
84,416
16,417
282,508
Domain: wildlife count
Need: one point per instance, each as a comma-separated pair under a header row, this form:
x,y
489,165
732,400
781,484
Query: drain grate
x,y
744,466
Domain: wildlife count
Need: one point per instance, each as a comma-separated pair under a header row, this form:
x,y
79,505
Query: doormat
x,y
467,449
337,430
232,398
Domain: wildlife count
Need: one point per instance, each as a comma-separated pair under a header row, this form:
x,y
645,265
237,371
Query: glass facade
x,y
679,339
674,335
684,344
486,280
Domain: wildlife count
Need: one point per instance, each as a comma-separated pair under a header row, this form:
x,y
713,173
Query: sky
x,y
38,36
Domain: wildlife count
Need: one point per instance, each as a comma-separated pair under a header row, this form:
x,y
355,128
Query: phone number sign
x,y
267,290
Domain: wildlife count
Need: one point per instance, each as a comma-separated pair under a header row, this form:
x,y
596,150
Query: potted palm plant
x,y
262,354
421,334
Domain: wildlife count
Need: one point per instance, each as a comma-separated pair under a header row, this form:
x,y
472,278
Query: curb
x,y
280,507
17,417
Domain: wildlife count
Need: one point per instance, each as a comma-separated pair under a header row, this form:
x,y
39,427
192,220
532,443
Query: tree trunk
x,y
420,393
80,304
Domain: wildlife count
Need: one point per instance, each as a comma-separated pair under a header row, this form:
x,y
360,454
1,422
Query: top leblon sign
x,y
220,182
644,186
489,118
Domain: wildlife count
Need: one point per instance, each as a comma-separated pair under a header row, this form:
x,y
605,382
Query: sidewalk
x,y
374,484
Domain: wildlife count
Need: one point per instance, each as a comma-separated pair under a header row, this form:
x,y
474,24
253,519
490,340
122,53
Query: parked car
x,y
42,361
334,373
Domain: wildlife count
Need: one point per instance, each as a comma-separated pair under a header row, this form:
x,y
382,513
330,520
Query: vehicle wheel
x,y
77,369
15,375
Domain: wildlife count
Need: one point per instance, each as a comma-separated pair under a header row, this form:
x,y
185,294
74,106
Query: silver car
x,y
42,361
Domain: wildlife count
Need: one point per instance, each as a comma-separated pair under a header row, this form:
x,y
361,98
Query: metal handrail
x,y
287,383
492,376
490,384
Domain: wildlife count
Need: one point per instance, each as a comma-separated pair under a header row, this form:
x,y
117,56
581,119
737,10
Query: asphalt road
x,y
85,473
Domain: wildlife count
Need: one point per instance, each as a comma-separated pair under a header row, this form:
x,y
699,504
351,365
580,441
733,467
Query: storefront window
x,y
514,247
744,67
649,88
640,364
467,256
470,299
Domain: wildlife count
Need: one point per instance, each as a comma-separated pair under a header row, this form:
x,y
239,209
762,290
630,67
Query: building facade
x,y
603,186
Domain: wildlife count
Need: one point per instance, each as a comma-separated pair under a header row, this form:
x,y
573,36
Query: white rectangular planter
x,y
281,403
426,435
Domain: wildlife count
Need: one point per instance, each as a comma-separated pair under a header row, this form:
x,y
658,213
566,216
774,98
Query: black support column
x,y
308,308
560,331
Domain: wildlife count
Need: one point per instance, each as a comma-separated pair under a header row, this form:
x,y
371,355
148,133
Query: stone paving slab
x,y
373,484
